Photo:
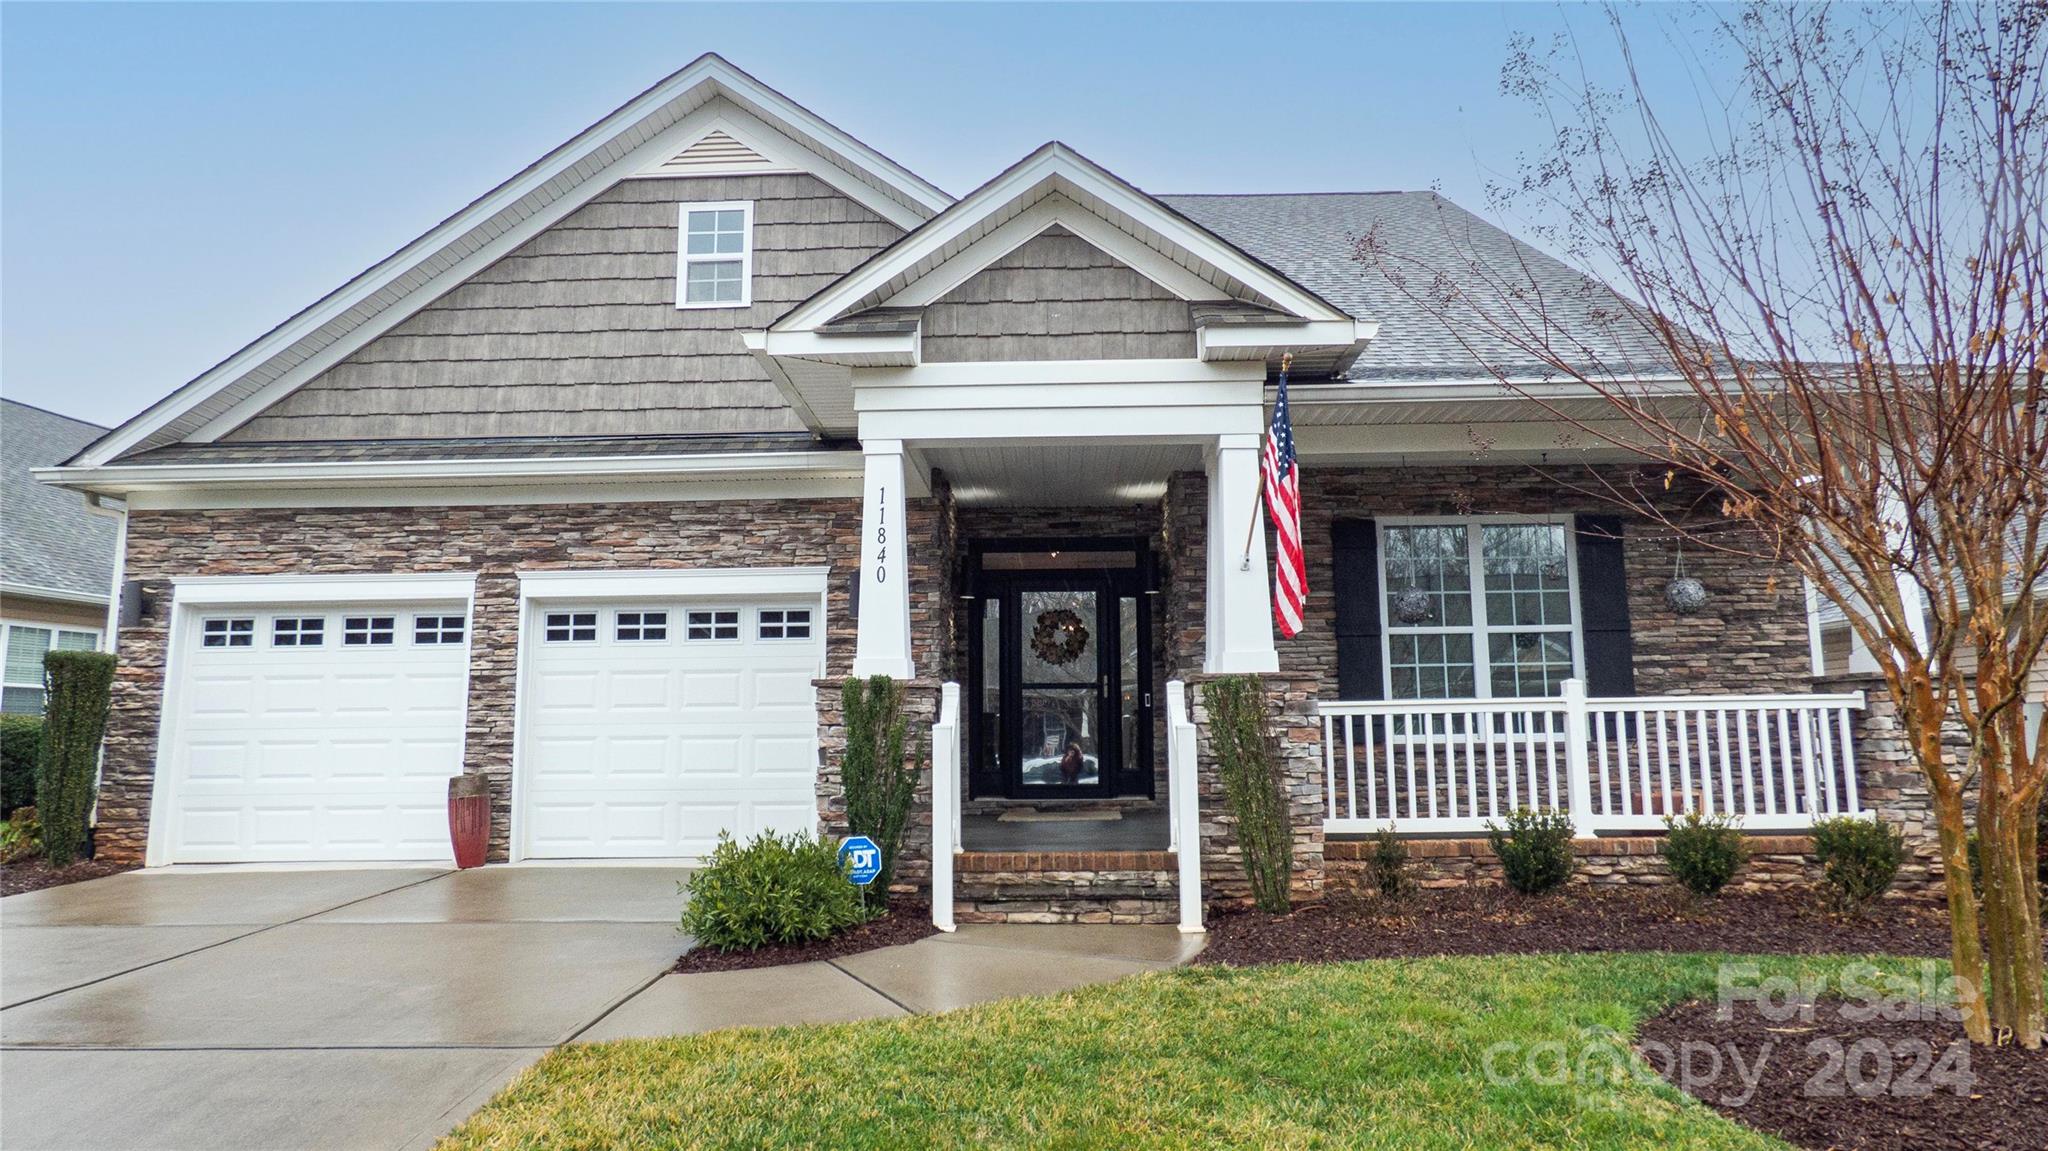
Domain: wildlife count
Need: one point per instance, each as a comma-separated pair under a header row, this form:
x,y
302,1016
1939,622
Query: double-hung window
x,y
715,262
22,691
1478,608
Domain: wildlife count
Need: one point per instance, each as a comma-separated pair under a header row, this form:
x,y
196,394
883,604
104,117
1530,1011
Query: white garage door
x,y
651,727
316,732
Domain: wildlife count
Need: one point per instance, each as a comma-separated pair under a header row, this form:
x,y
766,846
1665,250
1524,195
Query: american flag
x,y
1283,504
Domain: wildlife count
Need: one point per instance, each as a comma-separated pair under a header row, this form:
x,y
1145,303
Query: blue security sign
x,y
860,859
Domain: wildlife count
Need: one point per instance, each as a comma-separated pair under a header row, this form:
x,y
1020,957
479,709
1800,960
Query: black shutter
x,y
1355,581
1603,608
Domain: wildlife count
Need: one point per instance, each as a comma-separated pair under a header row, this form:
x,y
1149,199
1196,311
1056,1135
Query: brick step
x,y
1066,887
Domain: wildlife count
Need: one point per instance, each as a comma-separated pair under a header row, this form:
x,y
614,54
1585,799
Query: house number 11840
x,y
882,537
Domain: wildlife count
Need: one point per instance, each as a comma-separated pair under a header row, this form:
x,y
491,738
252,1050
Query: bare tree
x,y
1843,289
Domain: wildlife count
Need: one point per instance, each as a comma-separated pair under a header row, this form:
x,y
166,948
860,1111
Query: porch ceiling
x,y
1061,474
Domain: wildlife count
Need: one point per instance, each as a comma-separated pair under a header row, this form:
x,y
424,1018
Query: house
x,y
600,488
56,553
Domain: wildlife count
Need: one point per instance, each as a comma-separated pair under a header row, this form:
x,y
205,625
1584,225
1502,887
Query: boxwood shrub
x,y
1535,849
772,889
1703,851
1859,858
21,746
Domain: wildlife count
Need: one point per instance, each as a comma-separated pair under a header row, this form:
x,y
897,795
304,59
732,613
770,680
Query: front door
x,y
1061,671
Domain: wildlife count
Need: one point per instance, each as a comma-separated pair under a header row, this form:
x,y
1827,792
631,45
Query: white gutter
x,y
119,478
53,594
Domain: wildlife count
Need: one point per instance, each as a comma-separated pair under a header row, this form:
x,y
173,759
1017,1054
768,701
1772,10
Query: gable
x,y
1057,297
576,332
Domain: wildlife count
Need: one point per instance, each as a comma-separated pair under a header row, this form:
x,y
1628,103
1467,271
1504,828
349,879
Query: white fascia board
x,y
1022,228
1192,423
709,71
198,591
1481,390
11,590
673,584
1057,372
873,349
1061,169
343,473
1236,341
724,490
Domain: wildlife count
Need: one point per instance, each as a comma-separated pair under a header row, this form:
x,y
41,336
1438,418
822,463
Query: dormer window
x,y
715,265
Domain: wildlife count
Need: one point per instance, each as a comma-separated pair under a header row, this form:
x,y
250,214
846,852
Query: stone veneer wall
x,y
495,543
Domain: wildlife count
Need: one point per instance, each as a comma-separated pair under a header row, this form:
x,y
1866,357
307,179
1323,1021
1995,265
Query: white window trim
x,y
1478,629
7,634
684,259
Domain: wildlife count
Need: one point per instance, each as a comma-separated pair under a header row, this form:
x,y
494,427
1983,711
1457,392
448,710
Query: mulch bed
x,y
36,874
1838,1082
1496,921
903,923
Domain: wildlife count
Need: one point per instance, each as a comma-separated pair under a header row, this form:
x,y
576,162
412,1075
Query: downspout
x,y
111,643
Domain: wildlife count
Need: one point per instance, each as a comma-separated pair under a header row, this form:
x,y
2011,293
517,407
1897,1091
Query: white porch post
x,y
1239,609
1578,763
882,644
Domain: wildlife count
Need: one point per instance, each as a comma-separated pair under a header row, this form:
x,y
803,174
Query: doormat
x,y
1059,816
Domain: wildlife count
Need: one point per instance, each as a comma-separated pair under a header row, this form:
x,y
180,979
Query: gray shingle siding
x,y
1057,297
577,332
47,538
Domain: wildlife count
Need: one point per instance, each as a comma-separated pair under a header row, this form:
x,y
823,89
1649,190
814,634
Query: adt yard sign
x,y
861,859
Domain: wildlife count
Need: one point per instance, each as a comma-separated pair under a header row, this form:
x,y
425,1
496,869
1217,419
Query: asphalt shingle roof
x,y
47,538
1311,238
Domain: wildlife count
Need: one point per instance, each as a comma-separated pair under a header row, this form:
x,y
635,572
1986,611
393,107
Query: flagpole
x,y
1259,494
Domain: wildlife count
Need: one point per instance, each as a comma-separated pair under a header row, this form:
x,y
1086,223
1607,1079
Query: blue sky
x,y
176,178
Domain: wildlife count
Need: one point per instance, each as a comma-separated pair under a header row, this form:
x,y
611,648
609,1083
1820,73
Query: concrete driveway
x,y
312,1008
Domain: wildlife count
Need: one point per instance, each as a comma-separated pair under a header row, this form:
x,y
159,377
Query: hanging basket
x,y
1059,637
1685,594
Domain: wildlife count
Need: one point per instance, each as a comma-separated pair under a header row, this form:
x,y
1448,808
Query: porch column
x,y
1240,614
882,644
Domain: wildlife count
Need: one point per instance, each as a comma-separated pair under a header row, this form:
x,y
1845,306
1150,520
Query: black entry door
x,y
1060,669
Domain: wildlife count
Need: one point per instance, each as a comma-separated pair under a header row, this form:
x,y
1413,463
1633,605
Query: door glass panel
x,y
1059,736
1059,728
988,754
1129,715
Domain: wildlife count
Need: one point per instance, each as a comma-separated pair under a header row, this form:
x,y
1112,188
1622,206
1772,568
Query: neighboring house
x,y
602,485
56,556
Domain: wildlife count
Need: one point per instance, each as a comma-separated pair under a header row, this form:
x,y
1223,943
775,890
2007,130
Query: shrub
x,y
21,745
74,718
1535,849
1250,766
774,889
1386,865
879,784
21,836
1859,858
1703,852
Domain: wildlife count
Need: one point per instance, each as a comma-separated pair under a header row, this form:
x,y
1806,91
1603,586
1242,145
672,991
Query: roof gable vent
x,y
716,152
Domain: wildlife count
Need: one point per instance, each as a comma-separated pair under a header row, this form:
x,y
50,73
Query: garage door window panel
x,y
641,627
437,629
368,630
228,633
298,631
714,626
571,627
784,623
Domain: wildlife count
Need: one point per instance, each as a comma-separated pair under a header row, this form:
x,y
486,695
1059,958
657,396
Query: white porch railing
x,y
1183,805
945,804
1776,762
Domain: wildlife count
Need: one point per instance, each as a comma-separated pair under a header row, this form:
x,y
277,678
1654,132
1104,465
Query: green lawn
x,y
1381,1054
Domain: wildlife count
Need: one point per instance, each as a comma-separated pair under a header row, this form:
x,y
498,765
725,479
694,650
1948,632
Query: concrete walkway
x,y
375,1008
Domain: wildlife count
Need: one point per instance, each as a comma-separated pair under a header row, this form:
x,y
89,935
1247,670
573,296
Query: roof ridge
x,y
48,412
1276,195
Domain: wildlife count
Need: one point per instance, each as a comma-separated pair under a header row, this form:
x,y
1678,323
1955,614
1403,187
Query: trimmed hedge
x,y
21,748
879,785
1859,858
74,718
1535,849
1703,851
1249,762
